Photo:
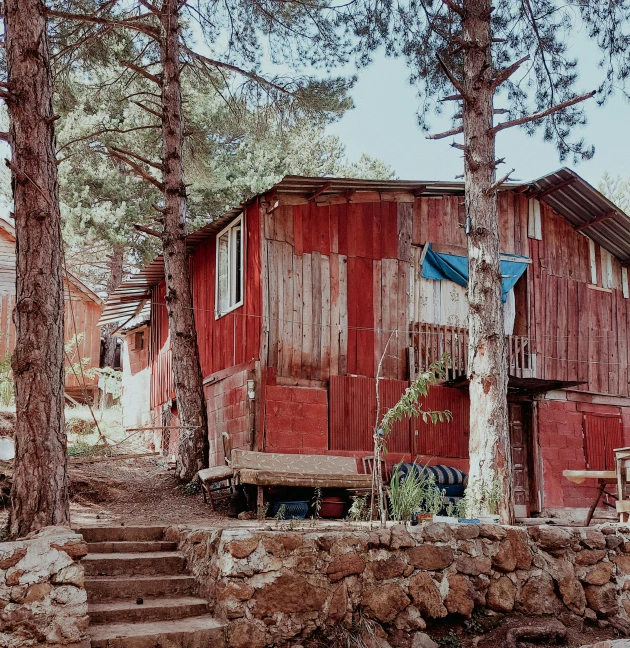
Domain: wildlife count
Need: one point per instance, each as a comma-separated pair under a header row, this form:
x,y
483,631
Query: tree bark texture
x,y
193,445
39,494
115,279
110,341
490,455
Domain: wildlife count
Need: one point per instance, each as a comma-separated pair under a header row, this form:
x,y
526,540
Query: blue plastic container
x,y
291,509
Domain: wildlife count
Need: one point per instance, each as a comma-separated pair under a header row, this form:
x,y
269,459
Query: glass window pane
x,y
236,264
223,270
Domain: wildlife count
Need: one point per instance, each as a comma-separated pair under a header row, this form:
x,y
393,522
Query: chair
x,y
368,468
216,475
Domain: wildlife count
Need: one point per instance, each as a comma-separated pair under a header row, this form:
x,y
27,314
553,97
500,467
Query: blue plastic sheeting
x,y
449,267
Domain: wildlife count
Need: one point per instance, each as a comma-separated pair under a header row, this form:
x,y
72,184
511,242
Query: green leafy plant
x,y
408,405
359,510
473,503
415,492
449,641
317,501
281,513
112,380
262,511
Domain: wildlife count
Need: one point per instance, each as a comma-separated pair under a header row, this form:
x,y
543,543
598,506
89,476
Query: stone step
x,y
160,609
134,564
121,533
197,632
131,587
126,546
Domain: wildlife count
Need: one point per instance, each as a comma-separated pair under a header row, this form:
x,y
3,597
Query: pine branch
x,y
149,110
122,151
459,147
147,230
95,20
451,77
542,113
104,131
505,74
236,70
455,97
142,72
151,7
495,185
138,169
454,131
4,136
454,7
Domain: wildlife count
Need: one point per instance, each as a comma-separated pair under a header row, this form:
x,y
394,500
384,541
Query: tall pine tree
x,y
473,52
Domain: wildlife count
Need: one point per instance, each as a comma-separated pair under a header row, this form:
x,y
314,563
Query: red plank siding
x,y
353,415
602,434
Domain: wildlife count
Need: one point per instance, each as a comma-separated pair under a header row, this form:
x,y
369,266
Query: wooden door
x,y
519,431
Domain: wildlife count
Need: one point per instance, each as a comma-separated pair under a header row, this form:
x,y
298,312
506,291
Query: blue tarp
x,y
448,267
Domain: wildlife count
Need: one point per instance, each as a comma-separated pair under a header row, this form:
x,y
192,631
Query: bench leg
x,y
260,500
591,511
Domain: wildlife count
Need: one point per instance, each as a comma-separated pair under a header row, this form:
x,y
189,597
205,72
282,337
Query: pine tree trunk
x,y
490,456
193,444
110,341
115,279
39,495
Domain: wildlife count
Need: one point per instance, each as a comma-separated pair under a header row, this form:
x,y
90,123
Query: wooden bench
x,y
216,474
295,470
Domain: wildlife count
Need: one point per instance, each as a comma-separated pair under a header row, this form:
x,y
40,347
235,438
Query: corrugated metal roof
x,y
574,198
580,203
323,186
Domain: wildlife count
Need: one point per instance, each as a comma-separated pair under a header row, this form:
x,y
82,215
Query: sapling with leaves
x,y
472,53
408,405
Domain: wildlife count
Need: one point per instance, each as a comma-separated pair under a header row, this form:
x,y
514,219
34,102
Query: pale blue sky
x,y
384,125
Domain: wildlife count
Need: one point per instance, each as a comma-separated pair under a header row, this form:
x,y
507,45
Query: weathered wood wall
x,y
339,285
81,316
232,339
579,327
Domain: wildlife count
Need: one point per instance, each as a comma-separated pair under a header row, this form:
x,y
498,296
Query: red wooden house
x,y
298,291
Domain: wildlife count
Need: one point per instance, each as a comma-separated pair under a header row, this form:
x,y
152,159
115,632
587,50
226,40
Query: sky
x,y
383,124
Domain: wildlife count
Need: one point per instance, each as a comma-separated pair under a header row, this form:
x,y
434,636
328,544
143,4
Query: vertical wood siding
x,y
602,434
579,331
81,316
232,339
339,286
353,415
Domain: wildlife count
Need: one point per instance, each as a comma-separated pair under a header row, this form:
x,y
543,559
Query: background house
x,y
83,308
299,292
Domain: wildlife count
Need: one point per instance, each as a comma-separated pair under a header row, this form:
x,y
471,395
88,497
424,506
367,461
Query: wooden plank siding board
x,y
325,316
307,315
335,307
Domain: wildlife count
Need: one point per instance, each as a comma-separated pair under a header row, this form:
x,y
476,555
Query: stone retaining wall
x,y
278,585
43,601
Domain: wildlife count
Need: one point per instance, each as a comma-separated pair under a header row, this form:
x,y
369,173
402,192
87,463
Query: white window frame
x,y
231,268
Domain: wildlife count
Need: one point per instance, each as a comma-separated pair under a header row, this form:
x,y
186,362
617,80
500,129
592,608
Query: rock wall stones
x,y
278,586
43,601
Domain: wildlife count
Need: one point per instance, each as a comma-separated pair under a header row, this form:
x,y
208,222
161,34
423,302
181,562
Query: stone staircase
x,y
125,564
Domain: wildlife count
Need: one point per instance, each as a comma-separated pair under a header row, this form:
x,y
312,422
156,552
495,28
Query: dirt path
x,y
139,491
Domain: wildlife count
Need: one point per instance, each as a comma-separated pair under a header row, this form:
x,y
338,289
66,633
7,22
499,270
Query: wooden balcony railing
x,y
431,341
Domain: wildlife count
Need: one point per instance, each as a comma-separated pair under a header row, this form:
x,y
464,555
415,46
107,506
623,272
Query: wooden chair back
x,y
368,468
